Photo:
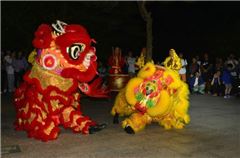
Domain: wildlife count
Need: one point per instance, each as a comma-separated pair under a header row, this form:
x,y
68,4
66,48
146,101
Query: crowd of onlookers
x,y
204,75
218,77
13,67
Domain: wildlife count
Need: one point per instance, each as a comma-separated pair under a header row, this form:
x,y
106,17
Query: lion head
x,y
66,50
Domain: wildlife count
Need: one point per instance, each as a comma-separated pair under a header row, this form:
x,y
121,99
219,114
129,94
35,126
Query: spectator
x,y
103,72
197,84
8,59
238,79
233,71
20,66
198,60
183,70
206,68
194,67
232,60
218,64
216,84
227,81
130,61
3,74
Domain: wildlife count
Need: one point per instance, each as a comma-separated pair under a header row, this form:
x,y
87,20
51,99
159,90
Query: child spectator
x,y
227,81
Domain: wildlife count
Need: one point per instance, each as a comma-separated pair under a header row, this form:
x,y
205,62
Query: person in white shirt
x,y
197,84
130,61
183,70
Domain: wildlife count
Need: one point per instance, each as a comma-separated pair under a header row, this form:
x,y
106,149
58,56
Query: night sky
x,y
189,27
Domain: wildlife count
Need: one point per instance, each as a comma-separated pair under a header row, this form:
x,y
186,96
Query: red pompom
x,y
43,36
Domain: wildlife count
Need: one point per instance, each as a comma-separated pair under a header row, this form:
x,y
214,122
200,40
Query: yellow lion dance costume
x,y
157,94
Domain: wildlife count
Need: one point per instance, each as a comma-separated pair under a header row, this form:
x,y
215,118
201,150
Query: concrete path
x,y
214,132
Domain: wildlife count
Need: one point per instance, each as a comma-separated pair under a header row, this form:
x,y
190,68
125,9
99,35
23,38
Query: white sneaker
x,y
225,97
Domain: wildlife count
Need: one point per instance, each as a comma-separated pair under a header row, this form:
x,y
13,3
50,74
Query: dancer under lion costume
x,y
63,63
157,94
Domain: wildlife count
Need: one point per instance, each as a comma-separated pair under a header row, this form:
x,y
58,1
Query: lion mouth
x,y
88,58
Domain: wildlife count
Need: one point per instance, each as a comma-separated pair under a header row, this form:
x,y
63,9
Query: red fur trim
x,y
82,119
63,122
73,113
80,76
85,129
20,90
35,82
55,119
76,129
44,137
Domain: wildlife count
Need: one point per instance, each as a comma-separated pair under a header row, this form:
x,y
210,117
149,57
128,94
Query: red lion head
x,y
66,50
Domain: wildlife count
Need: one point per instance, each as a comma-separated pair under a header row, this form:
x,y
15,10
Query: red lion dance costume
x,y
49,97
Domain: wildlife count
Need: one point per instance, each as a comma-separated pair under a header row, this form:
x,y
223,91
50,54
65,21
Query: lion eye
x,y
75,50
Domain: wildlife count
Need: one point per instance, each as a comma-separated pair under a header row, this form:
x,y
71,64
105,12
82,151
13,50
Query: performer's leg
x,y
49,130
121,107
34,123
73,119
136,122
32,116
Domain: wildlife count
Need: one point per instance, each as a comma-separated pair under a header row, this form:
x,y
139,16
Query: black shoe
x,y
97,128
129,130
115,119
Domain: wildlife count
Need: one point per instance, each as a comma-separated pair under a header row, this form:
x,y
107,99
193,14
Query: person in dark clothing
x,y
193,67
4,83
206,68
227,81
216,84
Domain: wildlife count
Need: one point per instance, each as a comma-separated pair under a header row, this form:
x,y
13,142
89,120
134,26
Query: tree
x,y
146,15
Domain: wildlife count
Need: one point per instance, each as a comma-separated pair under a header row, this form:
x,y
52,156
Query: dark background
x,y
189,27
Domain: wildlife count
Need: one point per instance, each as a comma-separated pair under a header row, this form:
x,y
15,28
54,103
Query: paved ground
x,y
214,132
